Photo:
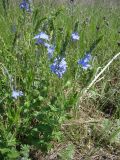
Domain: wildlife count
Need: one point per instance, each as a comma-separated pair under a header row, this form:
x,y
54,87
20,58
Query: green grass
x,y
55,116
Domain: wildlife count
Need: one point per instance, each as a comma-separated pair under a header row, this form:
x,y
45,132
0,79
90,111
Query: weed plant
x,y
48,57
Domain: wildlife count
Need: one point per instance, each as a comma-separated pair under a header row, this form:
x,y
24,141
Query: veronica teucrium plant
x,y
48,62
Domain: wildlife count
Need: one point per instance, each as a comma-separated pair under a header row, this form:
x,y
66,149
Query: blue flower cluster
x,y
84,62
25,5
75,36
50,49
59,66
16,94
42,35
40,40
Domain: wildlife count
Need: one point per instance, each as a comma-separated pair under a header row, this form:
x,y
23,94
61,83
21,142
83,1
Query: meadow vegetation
x,y
59,80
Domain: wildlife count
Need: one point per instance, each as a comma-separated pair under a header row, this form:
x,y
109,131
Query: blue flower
x,y
16,94
75,36
24,5
50,49
42,35
59,66
84,62
39,41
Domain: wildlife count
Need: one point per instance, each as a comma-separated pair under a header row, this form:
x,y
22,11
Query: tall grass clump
x,y
55,60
